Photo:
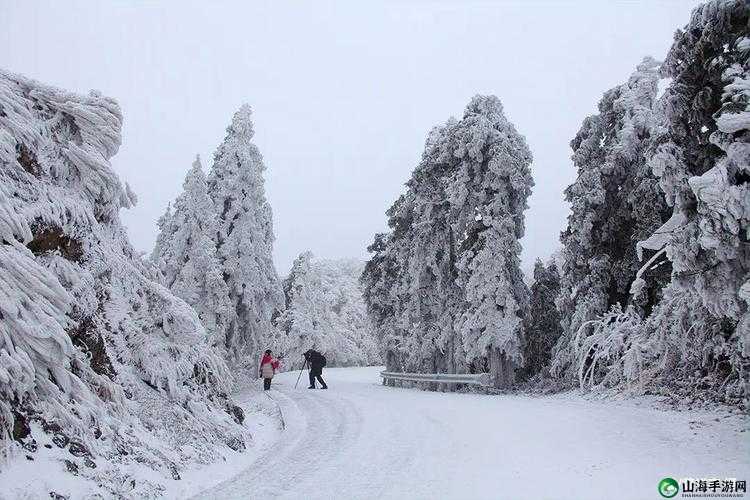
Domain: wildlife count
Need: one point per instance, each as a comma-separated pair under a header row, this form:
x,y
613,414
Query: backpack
x,y
315,358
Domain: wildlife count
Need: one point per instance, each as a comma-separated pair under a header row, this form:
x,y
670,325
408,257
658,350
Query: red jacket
x,y
268,360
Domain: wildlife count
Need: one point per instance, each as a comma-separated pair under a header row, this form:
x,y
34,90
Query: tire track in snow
x,y
316,428
329,449
361,440
356,441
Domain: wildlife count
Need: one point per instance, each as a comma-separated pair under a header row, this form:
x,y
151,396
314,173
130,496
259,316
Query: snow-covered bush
x,y
680,350
609,344
91,350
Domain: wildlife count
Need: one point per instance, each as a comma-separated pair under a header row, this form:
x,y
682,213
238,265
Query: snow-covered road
x,y
363,440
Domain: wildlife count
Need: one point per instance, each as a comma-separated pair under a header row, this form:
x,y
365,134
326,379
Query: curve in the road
x,y
316,428
361,440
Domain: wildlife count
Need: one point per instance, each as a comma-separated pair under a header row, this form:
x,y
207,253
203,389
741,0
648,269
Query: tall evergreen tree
x,y
186,255
489,194
702,165
541,325
431,297
694,338
379,279
444,288
161,254
245,238
615,202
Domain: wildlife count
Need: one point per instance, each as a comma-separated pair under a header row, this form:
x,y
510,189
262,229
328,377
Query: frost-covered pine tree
x,y
444,287
410,281
245,239
306,322
186,255
431,298
615,202
92,352
703,166
160,256
325,311
488,195
694,339
541,324
380,279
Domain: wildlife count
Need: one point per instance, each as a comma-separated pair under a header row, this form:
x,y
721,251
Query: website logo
x,y
702,487
668,487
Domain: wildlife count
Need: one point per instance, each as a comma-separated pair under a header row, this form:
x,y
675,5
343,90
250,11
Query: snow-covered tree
x,y
703,165
325,311
429,295
615,202
245,239
351,323
186,256
92,350
379,280
161,257
444,288
488,195
541,325
306,321
694,338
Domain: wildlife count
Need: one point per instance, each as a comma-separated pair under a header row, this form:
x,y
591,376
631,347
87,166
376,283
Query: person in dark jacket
x,y
317,362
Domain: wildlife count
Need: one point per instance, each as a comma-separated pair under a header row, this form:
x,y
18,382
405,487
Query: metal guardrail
x,y
482,379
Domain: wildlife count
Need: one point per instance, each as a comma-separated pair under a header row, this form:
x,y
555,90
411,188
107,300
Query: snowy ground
x,y
44,471
362,440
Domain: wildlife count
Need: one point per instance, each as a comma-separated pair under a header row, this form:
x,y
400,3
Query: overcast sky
x,y
344,93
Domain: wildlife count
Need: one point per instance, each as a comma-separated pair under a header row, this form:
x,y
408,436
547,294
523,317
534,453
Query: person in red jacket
x,y
268,367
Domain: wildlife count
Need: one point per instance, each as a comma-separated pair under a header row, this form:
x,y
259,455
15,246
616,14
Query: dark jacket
x,y
316,360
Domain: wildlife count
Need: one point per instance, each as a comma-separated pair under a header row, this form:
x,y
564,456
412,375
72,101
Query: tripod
x,y
300,373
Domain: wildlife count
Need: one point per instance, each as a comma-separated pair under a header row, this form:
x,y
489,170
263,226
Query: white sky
x,y
344,93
